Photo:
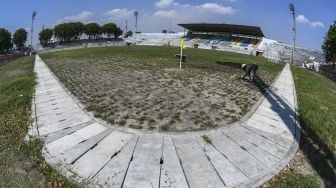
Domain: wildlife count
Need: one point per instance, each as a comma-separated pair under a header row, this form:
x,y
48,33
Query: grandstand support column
x,y
292,9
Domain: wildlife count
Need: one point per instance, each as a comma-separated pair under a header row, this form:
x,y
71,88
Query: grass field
x,y
316,96
143,88
21,164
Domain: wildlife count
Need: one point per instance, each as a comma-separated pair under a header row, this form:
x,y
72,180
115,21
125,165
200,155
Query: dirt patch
x,y
153,94
13,73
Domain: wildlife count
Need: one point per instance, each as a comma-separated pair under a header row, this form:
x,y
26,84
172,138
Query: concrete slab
x,y
50,96
55,102
273,123
264,157
270,103
64,121
275,114
51,91
144,170
59,134
197,168
55,111
262,142
64,143
68,105
229,173
172,174
238,155
266,127
114,172
95,159
70,155
276,138
281,119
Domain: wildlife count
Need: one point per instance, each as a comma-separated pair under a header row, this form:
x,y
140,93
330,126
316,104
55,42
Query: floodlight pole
x,y
292,9
31,31
126,29
136,13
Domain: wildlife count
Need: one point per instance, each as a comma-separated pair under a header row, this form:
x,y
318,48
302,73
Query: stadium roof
x,y
225,28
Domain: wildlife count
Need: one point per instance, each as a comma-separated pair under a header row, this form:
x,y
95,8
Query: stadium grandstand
x,y
156,39
227,37
224,37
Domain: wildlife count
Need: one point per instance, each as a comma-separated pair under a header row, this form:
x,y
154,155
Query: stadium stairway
x,y
244,154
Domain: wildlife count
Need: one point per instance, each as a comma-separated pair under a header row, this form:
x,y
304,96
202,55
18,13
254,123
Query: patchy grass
x,y
207,139
316,96
145,84
21,164
287,179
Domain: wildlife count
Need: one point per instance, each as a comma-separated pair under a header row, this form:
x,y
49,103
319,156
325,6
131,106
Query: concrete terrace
x,y
245,154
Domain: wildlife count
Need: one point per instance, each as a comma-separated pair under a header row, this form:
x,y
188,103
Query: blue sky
x,y
313,16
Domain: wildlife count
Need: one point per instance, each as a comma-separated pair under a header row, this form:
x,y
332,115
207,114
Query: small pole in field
x,y
181,59
182,47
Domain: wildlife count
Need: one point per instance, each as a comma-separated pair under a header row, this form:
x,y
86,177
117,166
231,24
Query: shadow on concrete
x,y
319,155
284,110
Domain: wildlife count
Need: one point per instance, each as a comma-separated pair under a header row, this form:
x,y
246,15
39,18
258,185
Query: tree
x,y
78,29
109,29
20,38
129,34
67,32
45,36
60,32
117,33
92,30
329,44
5,40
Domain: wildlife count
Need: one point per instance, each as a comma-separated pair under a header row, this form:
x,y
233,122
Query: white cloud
x,y
216,8
83,16
184,13
119,16
119,13
302,19
164,3
167,14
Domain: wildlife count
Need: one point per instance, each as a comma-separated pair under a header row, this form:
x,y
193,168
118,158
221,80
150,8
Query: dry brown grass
x,y
152,93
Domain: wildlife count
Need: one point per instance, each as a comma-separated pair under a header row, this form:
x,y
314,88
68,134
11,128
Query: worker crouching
x,y
250,71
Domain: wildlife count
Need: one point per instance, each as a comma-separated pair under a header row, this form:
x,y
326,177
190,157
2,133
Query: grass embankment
x,y
143,88
21,164
317,109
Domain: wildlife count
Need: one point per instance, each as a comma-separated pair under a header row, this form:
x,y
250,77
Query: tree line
x,y
7,41
73,31
329,44
65,32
